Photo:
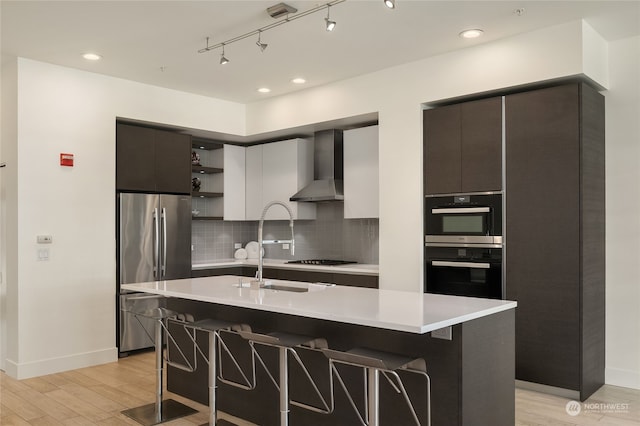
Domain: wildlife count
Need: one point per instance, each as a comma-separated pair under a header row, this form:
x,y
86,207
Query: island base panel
x,y
472,375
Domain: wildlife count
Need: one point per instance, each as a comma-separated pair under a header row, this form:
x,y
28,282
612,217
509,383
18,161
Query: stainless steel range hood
x,y
327,169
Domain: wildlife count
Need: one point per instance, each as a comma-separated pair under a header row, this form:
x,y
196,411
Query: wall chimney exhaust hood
x,y
328,182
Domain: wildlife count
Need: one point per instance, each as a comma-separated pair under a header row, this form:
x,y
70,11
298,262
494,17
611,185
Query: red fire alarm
x,y
66,160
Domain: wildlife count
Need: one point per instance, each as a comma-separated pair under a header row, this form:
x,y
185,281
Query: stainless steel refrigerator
x,y
154,244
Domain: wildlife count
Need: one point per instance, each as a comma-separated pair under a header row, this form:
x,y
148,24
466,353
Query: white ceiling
x,y
156,42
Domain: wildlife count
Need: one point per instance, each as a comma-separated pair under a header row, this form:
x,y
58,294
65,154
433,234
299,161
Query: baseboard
x,y
622,378
550,390
57,365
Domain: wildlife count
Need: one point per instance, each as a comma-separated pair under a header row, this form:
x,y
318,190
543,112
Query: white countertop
x,y
352,268
387,309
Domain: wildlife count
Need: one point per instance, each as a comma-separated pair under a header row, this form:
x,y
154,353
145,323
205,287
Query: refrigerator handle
x,y
156,243
164,242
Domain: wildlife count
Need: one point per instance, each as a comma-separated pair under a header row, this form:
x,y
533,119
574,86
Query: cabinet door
x,y
279,167
135,158
253,183
173,162
442,150
152,160
361,187
287,167
234,182
481,148
543,232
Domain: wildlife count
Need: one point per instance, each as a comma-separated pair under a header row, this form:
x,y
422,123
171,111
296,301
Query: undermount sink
x,y
292,286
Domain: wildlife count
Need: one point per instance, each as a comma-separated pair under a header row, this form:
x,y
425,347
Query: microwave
x,y
464,220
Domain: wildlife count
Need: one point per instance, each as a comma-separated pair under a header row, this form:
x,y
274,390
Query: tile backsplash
x,y
329,236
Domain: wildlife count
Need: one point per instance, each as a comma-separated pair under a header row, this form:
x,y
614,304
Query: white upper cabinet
x,y
234,182
274,172
361,186
253,182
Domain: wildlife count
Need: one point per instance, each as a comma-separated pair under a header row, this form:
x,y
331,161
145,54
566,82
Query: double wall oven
x,y
463,245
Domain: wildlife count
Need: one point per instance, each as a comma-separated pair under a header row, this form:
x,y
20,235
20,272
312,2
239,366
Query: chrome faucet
x,y
261,242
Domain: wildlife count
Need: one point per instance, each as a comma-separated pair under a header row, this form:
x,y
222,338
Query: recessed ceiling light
x,y
391,4
92,57
474,33
264,90
298,80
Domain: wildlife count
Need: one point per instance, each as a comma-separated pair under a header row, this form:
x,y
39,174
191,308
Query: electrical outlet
x,y
237,246
443,333
285,246
43,254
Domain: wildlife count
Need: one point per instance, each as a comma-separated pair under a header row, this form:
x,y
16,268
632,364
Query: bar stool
x,y
161,410
375,362
212,327
285,343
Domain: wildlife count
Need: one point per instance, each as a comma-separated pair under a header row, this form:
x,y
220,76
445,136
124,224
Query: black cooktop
x,y
326,262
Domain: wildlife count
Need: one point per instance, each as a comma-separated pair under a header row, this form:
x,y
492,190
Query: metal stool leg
x,y
284,386
373,396
213,385
159,371
161,410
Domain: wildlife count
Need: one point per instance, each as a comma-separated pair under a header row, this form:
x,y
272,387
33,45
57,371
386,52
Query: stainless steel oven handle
x,y
460,210
461,264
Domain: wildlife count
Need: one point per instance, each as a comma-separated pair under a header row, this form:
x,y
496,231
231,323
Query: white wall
x,y
623,214
65,307
8,211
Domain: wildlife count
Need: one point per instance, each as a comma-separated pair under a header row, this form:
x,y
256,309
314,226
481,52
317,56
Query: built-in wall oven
x,y
463,245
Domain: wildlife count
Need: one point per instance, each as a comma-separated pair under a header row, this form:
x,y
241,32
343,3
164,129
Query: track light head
x,y
223,59
391,4
260,44
330,25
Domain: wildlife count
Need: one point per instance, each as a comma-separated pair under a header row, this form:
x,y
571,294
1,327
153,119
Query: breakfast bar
x,y
467,343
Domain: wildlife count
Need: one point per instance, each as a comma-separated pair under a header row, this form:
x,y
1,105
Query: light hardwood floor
x,y
97,395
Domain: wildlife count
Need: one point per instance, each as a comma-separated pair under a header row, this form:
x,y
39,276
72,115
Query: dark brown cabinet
x,y
152,160
463,147
554,251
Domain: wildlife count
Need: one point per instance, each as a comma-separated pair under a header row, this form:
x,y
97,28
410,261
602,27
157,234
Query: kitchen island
x,y
471,368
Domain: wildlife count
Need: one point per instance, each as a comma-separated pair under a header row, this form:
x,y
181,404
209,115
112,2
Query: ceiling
x,y
157,42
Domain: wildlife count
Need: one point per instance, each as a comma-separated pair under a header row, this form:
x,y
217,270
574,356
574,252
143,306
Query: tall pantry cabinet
x,y
554,231
555,258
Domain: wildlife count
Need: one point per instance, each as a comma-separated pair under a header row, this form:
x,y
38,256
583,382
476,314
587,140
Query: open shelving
x,y
208,201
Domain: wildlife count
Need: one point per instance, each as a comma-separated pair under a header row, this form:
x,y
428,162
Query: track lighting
x,y
330,24
275,11
223,60
260,44
391,4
